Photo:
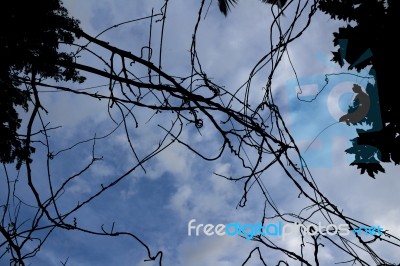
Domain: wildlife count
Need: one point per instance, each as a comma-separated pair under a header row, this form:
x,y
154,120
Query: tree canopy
x,y
30,36
368,40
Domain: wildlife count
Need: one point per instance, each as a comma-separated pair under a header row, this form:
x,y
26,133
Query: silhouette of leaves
x,y
369,42
31,33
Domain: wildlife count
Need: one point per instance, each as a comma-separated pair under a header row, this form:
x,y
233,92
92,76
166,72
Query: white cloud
x,y
208,251
179,201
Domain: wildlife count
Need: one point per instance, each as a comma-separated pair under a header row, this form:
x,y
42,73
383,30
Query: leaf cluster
x,y
31,35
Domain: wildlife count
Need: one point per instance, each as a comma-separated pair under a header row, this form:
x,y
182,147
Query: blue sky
x,y
177,186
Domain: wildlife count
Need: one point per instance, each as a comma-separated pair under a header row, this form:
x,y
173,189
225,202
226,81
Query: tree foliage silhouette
x,y
368,40
30,35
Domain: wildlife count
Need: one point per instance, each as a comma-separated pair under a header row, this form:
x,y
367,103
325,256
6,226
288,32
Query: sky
x,y
177,186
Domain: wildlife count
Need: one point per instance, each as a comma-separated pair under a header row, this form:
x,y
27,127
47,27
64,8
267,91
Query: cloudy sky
x,y
178,186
